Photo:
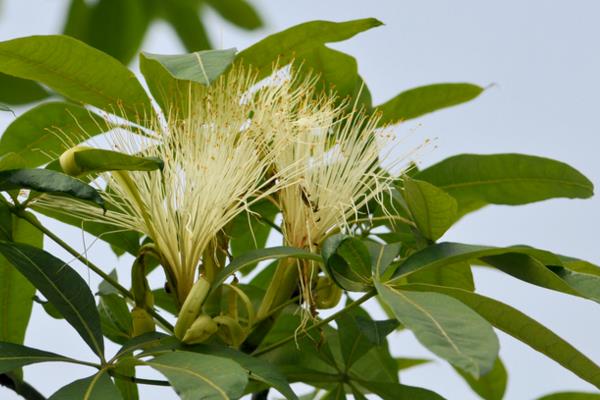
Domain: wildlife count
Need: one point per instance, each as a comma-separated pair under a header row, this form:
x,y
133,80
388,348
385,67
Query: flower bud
x,y
230,330
68,163
202,329
191,306
328,294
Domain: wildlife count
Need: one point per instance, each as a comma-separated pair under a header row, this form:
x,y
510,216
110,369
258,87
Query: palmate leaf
x,y
422,100
254,256
96,387
38,135
13,356
62,286
200,376
47,181
16,91
446,327
531,265
490,386
78,72
523,328
477,180
432,209
16,292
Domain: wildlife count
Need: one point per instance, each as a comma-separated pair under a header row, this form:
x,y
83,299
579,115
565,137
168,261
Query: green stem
x,y
19,212
325,321
141,381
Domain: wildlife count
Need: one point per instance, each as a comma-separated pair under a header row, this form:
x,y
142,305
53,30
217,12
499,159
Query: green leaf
x,y
16,292
523,328
115,318
47,181
78,72
199,376
446,253
397,391
348,262
299,41
129,390
433,210
477,180
422,100
339,72
62,286
252,257
446,327
382,256
238,12
39,135
77,20
571,396
359,334
203,67
13,356
250,230
585,285
185,19
89,160
96,387
16,91
259,369
122,37
406,363
490,386
454,275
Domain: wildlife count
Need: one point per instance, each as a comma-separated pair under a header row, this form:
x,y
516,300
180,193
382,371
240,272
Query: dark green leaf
x,y
585,285
96,387
46,181
490,386
382,256
454,275
525,329
117,27
446,327
203,67
254,256
477,180
129,390
17,91
39,135
62,286
16,292
4,107
406,363
259,369
238,12
396,391
250,230
78,72
298,41
77,22
199,376
13,356
348,262
185,19
571,396
433,210
115,318
446,253
425,99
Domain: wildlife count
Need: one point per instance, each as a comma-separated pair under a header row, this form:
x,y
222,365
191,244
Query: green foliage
x,y
511,179
439,322
425,99
38,135
46,181
76,71
62,286
387,249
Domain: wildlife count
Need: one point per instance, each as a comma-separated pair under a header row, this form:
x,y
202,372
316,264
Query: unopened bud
x,y
202,329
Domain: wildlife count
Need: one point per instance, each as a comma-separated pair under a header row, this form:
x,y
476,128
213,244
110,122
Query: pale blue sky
x,y
543,59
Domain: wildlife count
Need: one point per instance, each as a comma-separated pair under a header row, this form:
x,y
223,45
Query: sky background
x,y
542,60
